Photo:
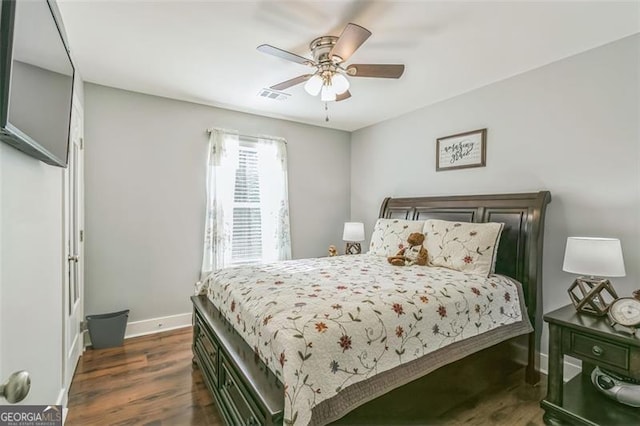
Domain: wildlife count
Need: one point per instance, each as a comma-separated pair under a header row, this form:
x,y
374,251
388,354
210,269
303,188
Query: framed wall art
x,y
462,151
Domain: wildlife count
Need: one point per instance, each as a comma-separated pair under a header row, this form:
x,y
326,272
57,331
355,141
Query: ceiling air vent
x,y
273,94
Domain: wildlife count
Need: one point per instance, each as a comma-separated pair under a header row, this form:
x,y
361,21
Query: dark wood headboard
x,y
520,248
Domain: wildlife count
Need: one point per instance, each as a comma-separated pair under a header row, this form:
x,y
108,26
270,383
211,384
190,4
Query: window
x,y
247,217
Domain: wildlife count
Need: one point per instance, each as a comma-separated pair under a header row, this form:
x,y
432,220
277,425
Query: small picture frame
x,y
462,151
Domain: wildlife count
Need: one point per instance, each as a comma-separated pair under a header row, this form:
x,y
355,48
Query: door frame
x,y
73,330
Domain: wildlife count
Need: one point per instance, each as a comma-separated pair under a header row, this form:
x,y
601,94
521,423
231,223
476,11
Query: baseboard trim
x,y
63,400
572,367
62,397
157,325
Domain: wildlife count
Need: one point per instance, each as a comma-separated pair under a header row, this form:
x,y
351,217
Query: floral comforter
x,y
324,324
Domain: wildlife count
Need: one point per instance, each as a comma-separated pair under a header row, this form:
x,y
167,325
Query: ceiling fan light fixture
x,y
340,83
313,85
327,94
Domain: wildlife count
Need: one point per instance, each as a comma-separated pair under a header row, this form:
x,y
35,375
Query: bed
x,y
307,341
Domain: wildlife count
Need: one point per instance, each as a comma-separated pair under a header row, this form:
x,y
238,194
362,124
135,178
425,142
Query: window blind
x,y
246,244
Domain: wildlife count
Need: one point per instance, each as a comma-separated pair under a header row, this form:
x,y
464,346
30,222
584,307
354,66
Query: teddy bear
x,y
412,254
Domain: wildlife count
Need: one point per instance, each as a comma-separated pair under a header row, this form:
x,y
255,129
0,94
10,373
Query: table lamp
x,y
593,259
353,234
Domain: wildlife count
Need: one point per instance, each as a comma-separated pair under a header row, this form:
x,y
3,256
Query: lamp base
x,y
353,248
592,295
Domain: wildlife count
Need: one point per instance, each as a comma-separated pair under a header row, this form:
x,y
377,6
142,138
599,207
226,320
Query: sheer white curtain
x,y
223,161
221,175
274,195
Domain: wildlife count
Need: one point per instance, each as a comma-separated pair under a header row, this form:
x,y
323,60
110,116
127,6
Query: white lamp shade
x,y
313,85
353,231
327,94
597,257
340,83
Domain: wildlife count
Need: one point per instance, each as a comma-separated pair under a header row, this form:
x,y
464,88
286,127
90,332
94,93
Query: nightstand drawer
x,y
599,351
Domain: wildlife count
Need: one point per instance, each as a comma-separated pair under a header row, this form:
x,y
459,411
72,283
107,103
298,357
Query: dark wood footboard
x,y
245,390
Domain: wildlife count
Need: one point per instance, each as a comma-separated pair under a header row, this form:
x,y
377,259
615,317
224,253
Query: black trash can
x,y
107,330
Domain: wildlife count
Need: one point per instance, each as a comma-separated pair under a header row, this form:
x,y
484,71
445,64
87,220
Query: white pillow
x,y
389,235
463,246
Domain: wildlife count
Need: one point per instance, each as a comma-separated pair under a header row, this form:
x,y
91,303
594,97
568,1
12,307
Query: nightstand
x,y
592,340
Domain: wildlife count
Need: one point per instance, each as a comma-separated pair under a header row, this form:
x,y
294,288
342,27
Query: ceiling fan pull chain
x,y
326,109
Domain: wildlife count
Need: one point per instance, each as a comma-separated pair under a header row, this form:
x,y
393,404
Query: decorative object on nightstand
x,y
625,390
625,312
352,235
333,251
593,259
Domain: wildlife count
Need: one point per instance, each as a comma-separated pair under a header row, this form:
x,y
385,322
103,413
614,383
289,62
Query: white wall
x,y
570,127
145,194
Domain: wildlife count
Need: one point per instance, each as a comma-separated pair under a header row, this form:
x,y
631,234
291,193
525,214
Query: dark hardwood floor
x,y
150,381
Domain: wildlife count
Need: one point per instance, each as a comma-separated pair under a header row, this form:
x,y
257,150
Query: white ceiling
x,y
205,51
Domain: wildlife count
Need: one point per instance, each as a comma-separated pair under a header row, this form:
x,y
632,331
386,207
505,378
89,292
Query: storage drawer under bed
x,y
207,348
255,400
236,396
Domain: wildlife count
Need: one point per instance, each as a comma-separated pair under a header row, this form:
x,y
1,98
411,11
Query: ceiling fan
x,y
329,54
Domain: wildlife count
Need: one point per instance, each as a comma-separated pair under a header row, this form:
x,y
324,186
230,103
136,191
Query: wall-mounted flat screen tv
x,y
36,80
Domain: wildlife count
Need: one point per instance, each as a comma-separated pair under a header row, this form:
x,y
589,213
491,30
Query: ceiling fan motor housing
x,y
321,47
327,64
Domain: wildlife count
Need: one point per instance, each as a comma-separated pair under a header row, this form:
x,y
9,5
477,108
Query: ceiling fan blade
x,y
349,41
297,80
283,54
343,96
376,70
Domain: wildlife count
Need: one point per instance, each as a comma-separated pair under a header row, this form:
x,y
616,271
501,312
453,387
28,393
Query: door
x,y
73,297
32,273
